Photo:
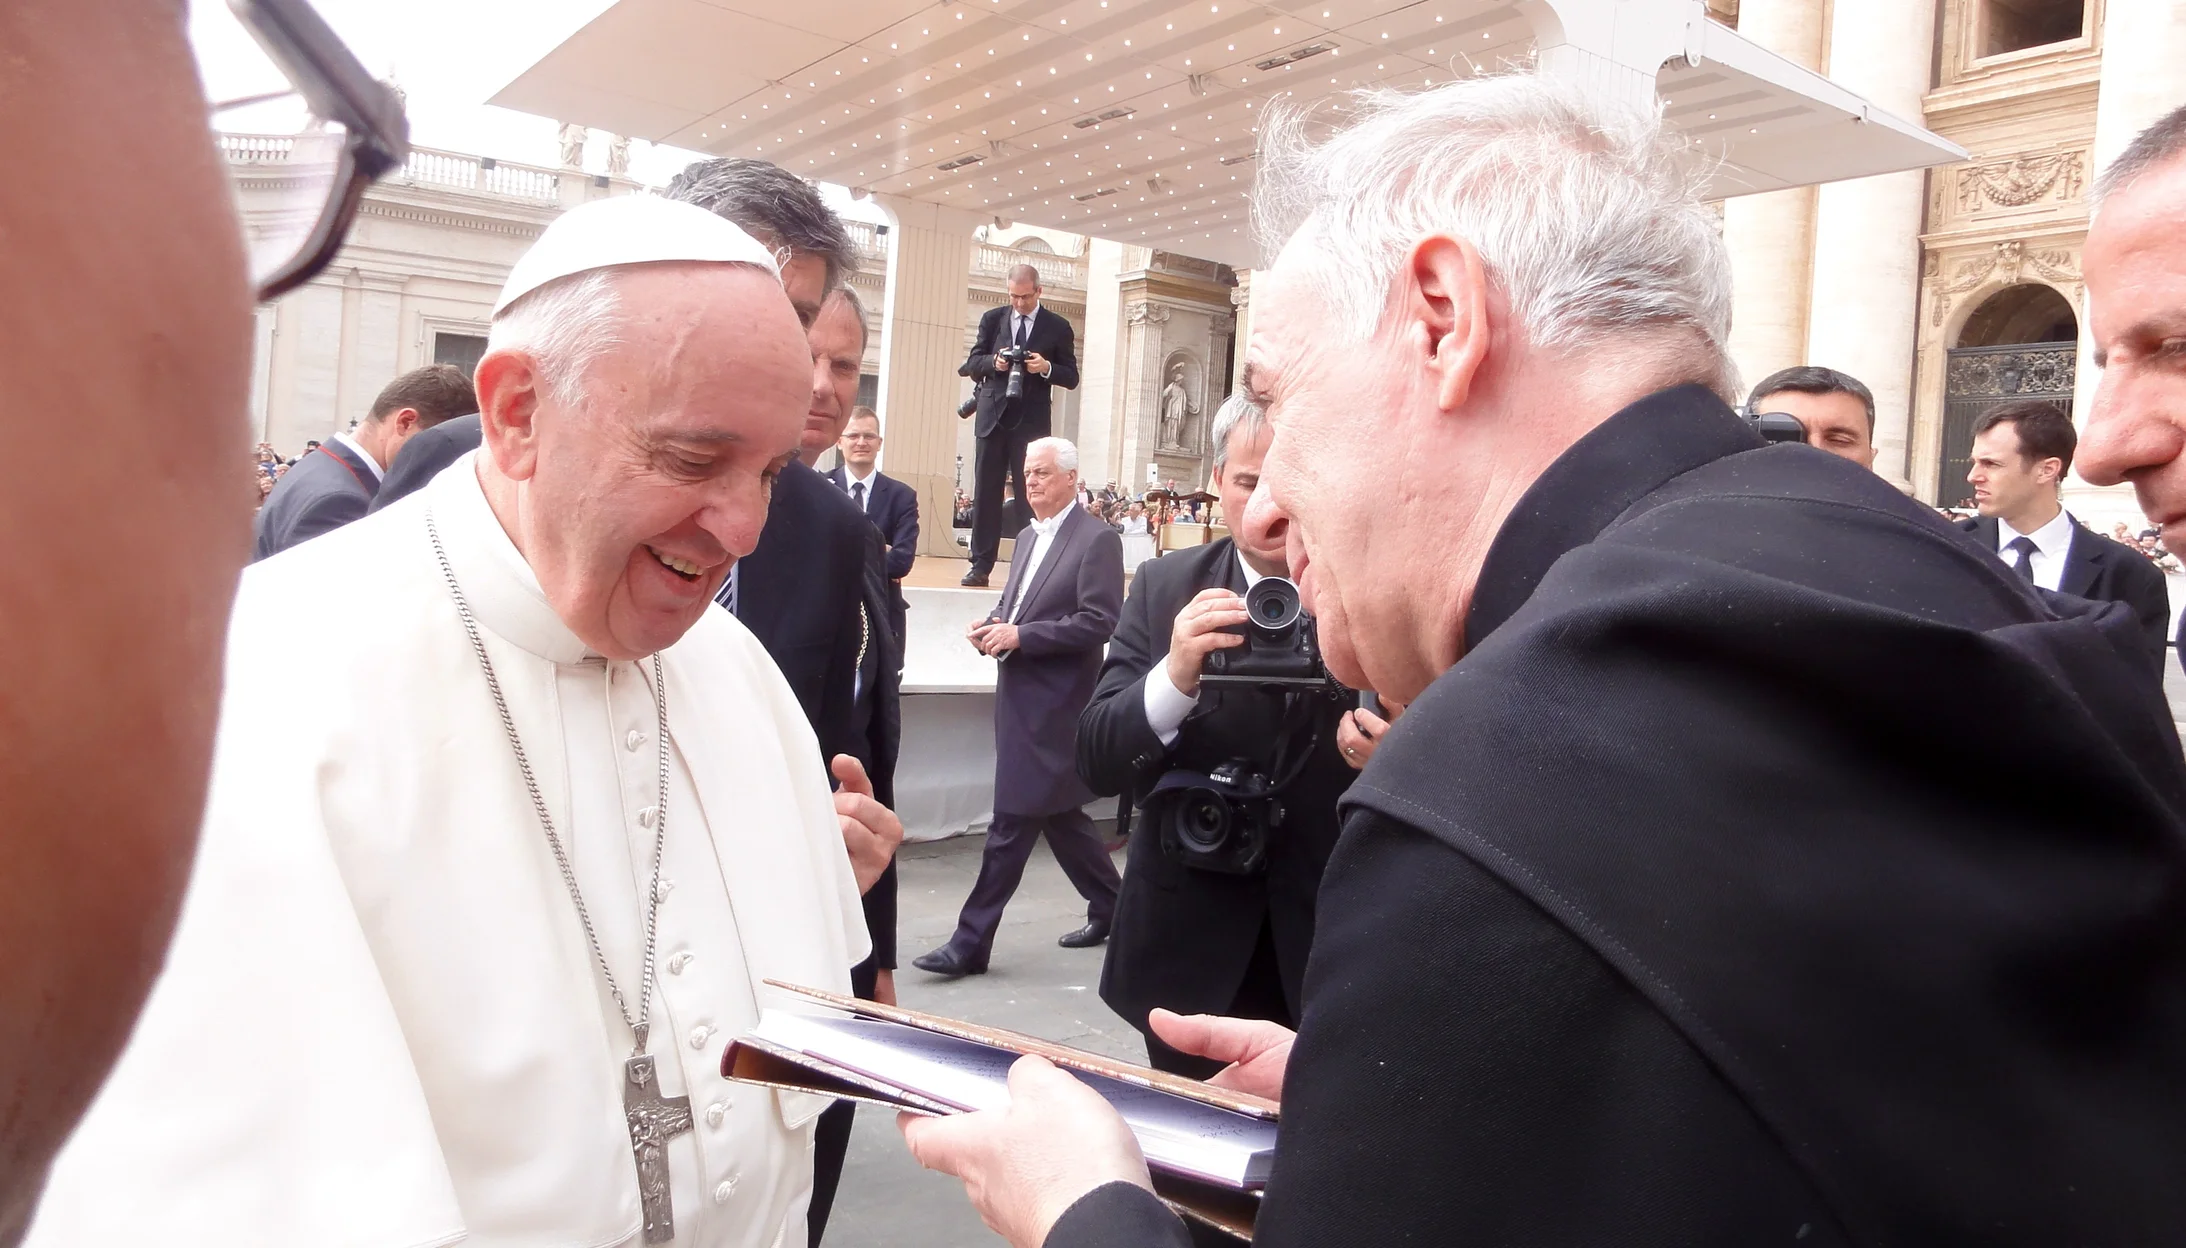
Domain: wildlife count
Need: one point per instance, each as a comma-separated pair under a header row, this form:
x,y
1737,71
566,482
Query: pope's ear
x,y
509,391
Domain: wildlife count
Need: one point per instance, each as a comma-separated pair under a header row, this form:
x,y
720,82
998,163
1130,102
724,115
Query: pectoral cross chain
x,y
654,1120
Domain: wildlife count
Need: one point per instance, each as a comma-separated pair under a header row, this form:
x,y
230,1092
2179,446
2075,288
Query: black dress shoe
x,y
1085,937
974,579
947,961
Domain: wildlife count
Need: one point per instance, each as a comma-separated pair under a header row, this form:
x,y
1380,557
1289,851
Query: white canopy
x,y
1135,119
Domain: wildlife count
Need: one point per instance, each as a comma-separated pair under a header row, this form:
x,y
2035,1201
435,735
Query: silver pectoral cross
x,y
654,1120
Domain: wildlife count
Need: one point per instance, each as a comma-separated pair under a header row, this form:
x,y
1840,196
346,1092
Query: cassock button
x,y
722,1193
634,740
700,1035
678,962
645,817
716,1112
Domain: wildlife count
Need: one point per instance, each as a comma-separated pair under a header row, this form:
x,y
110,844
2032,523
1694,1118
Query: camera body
x,y
1219,821
1015,358
1281,650
1774,426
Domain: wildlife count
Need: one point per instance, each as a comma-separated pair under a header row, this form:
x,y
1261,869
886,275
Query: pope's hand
x,y
1027,1163
1257,1051
871,831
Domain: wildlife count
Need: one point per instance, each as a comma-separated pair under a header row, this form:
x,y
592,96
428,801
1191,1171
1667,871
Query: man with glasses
x,y
890,504
132,314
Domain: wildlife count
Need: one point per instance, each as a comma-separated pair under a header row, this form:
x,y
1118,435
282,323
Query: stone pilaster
x,y
1867,252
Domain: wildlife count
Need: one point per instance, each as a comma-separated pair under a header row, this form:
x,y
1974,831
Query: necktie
x,y
857,494
1021,324
2023,547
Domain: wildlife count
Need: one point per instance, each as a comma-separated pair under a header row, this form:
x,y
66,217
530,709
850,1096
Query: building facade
x,y
1951,290
415,282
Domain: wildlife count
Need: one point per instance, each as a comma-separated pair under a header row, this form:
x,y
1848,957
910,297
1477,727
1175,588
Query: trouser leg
x,y
1001,866
990,461
1091,871
831,1134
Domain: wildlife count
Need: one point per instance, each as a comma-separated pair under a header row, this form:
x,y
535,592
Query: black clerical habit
x,y
1775,868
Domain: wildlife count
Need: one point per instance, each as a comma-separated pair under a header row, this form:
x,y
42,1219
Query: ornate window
x,y
2016,25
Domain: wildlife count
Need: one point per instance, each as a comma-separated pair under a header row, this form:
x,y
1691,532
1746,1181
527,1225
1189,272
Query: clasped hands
x,y
1035,363
992,637
1025,1164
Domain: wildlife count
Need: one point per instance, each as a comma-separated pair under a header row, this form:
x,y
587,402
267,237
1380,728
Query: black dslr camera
x,y
1015,357
1281,650
1774,426
1220,821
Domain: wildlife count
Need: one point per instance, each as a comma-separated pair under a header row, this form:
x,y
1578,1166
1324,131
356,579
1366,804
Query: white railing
x,y
1064,272
427,166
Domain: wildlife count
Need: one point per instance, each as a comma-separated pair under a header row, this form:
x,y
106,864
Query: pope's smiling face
x,y
634,498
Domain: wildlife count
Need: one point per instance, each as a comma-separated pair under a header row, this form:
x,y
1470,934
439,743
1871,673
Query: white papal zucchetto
x,y
630,229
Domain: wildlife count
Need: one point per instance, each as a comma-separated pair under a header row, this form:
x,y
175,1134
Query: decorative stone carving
x,y
618,156
2019,181
2008,261
1179,409
573,137
1148,314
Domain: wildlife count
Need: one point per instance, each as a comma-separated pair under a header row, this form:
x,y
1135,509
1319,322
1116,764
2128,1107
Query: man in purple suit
x,y
1064,595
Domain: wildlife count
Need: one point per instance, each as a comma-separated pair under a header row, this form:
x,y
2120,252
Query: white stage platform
x,y
945,770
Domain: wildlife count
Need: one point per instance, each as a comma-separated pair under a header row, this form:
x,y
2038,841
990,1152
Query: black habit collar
x,y
1622,460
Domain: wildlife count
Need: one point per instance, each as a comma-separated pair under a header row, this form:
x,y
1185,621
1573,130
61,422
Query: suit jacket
x,y
1028,417
324,490
803,593
1069,613
1166,909
426,456
2100,568
893,509
1665,916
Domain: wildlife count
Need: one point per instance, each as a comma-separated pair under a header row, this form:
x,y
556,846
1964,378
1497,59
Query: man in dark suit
x,y
1006,426
1188,940
1057,611
2021,452
1660,918
335,484
890,504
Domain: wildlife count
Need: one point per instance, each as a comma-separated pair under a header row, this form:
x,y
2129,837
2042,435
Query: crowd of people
x,y
1655,919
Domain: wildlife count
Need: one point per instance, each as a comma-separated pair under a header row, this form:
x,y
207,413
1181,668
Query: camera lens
x,y
1202,822
1272,604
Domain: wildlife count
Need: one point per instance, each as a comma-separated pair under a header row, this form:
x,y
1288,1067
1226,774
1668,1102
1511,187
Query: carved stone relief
x,y
2009,262
2020,180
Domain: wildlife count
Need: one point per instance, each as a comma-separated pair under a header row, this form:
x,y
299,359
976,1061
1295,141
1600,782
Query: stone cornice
x,y
454,218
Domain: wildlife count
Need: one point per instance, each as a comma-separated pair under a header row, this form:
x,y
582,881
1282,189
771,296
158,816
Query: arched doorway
x,y
2021,343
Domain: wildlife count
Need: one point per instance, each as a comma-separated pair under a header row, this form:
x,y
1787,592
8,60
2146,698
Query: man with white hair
x,y
469,932
1057,612
1653,921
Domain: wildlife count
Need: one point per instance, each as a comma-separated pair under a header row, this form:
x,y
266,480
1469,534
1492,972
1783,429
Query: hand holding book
x,y
1257,1051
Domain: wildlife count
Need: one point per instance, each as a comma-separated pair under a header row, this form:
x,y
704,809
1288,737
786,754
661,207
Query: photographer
x,y
1191,936
1022,352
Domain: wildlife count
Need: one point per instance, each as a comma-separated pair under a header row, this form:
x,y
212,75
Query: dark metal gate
x,y
1976,379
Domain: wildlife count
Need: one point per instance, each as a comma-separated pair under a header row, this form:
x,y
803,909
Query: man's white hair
x,y
564,326
1587,213
1066,454
1235,410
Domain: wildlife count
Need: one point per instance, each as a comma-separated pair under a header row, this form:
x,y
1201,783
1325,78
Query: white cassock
x,y
380,1023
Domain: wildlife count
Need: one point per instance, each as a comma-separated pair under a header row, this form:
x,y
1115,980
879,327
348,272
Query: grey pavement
x,y
1032,985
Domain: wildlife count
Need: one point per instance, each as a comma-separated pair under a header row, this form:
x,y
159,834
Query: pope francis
x,y
499,854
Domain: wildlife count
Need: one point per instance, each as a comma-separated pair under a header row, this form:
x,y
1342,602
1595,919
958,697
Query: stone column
x,y
1866,287
1241,299
1097,355
1771,236
922,343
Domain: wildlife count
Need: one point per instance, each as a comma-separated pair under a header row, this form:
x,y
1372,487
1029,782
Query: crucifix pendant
x,y
654,1120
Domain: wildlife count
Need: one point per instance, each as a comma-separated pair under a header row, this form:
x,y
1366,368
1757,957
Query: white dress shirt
x,y
2052,542
1166,705
379,471
1044,532
851,478
1025,319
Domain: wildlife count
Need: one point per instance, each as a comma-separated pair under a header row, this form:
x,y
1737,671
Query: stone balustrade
x,y
432,167
988,260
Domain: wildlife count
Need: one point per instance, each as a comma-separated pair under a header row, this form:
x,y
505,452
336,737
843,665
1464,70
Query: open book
x,y
1207,1148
